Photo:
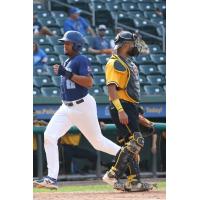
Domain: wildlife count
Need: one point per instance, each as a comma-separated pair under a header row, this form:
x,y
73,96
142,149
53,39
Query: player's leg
x,y
86,120
58,126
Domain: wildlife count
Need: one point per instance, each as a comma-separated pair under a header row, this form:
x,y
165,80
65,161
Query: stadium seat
x,y
164,87
103,17
47,48
59,49
158,58
105,90
40,39
50,71
151,15
158,21
99,6
59,14
39,71
40,81
154,48
143,80
97,69
129,6
56,80
81,4
53,40
160,5
136,13
91,58
60,22
123,18
142,91
99,80
156,79
162,69
113,6
50,91
88,39
146,6
43,14
36,91
62,58
160,30
148,69
53,59
102,59
56,31
153,90
38,7
96,90
49,22
143,59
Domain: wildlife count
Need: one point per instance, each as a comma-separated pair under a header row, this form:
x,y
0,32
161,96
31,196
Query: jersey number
x,y
70,84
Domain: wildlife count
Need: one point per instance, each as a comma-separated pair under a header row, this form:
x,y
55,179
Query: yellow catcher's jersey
x,y
124,77
71,139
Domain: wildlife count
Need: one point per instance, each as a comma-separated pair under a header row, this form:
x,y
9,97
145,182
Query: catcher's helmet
x,y
75,37
124,36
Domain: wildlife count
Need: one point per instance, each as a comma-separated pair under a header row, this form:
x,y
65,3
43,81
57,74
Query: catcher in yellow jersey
x,y
122,80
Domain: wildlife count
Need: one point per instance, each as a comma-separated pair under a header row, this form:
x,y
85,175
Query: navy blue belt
x,y
73,103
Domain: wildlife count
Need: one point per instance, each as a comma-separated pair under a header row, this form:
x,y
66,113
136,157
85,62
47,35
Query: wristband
x,y
117,104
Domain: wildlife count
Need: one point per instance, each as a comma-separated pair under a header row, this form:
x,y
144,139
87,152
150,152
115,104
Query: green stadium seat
x,y
154,48
53,59
143,59
56,31
56,80
36,91
160,5
62,58
148,69
99,6
50,91
164,87
40,81
152,15
59,14
162,69
99,80
96,90
158,21
105,90
102,59
103,17
129,6
53,40
113,6
153,90
142,91
43,14
38,7
159,31
59,49
146,6
88,39
158,58
40,39
143,80
47,48
81,4
123,18
60,22
156,79
50,71
136,13
49,22
40,71
97,69
91,58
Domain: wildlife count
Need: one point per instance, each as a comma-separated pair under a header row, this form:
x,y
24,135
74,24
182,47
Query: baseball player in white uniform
x,y
78,108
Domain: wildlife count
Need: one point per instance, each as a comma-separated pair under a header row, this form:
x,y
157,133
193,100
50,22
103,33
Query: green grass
x,y
89,188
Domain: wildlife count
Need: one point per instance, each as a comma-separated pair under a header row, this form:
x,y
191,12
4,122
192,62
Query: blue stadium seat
x,y
158,58
128,6
59,49
154,90
50,91
96,90
154,48
56,80
162,69
36,91
143,80
156,79
53,40
40,39
40,81
148,69
53,59
99,80
102,59
47,48
143,59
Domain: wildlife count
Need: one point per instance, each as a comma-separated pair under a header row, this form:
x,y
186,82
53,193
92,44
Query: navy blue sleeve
x,y
84,66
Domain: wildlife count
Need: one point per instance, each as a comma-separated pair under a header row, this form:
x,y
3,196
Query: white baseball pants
x,y
84,117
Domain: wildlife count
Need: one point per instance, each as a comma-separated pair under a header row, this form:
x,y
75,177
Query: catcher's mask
x,y
125,36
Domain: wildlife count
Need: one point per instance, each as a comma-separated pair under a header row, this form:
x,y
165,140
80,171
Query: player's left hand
x,y
62,71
